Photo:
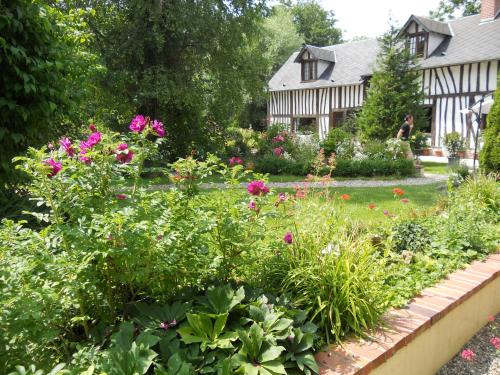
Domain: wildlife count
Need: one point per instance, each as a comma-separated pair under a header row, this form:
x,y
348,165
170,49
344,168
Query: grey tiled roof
x,y
471,41
430,25
318,53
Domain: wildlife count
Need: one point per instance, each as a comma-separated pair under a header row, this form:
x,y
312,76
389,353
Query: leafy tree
x,y
35,65
193,64
394,90
490,154
316,24
446,8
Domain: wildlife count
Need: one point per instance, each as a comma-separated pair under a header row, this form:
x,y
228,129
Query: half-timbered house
x,y
317,88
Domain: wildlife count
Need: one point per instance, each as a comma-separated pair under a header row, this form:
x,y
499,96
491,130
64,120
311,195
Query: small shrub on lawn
x,y
411,236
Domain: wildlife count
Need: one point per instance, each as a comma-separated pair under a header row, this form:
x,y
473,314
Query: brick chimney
x,y
489,9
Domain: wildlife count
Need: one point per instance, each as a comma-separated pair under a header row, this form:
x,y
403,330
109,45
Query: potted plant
x,y
418,143
454,144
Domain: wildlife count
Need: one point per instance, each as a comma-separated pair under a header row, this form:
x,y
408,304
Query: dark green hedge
x,y
374,167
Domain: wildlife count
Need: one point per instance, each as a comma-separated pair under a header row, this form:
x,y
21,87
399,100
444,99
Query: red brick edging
x,y
401,326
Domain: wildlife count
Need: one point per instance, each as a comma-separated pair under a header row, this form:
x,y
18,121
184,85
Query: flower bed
x,y
211,282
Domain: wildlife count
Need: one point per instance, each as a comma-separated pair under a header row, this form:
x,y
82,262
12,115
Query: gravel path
x,y
425,180
486,360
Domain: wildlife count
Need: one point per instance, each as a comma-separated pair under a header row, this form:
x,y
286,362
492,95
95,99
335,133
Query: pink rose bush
x,y
55,167
139,123
67,146
278,151
235,160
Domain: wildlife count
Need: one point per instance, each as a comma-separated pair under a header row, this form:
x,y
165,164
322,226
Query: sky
x,y
370,17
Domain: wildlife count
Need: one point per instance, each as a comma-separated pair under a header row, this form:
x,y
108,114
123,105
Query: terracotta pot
x,y
461,154
426,152
438,153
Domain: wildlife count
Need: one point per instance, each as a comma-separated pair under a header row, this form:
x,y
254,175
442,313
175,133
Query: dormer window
x,y
309,67
417,44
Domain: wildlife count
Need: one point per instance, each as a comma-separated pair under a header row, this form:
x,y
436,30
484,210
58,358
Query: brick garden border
x,y
402,326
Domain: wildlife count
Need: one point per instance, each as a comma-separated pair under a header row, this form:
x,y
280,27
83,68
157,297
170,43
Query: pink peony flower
x,y
278,138
495,341
278,151
252,205
235,160
288,238
158,128
55,167
257,187
94,139
468,355
138,124
68,148
92,128
121,196
123,154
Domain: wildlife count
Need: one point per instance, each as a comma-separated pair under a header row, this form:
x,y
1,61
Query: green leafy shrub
x,y
410,235
335,138
222,332
490,154
374,167
274,165
454,143
376,149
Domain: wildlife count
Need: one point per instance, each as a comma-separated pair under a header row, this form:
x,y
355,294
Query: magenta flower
x,y
235,160
94,139
282,197
468,355
92,128
495,341
278,151
386,212
257,187
84,147
158,128
288,238
138,124
252,205
66,144
55,167
164,325
121,196
123,154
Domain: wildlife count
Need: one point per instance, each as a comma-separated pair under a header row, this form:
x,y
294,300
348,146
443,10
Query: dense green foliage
x,y
42,71
374,167
490,153
394,90
316,24
446,8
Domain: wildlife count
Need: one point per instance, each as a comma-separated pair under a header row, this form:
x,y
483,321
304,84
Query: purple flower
x,y
55,167
164,325
123,154
94,139
252,205
288,238
158,128
282,197
121,196
138,124
66,144
257,187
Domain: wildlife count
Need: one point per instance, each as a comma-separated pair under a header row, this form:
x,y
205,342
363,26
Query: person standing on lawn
x,y
404,135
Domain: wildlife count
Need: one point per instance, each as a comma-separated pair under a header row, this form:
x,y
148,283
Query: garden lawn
x,y
356,207
435,168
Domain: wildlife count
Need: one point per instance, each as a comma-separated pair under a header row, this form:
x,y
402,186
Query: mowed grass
x,y
356,208
435,168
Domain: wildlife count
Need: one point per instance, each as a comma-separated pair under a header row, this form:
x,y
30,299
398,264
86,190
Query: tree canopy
x,y
316,24
394,90
447,8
